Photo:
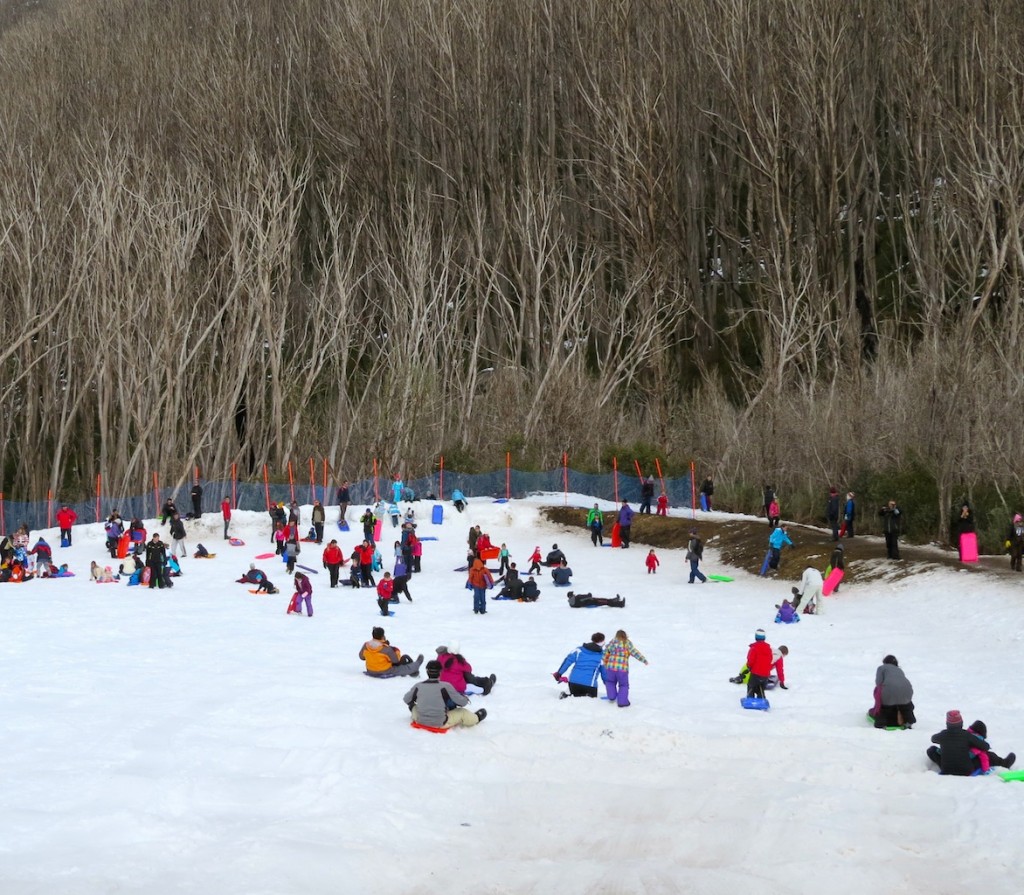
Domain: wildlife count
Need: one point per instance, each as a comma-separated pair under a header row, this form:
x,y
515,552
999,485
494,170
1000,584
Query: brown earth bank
x,y
742,544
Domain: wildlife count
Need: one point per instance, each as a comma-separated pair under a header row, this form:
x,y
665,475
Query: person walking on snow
x,y
1015,542
891,523
333,560
625,523
156,559
694,555
849,512
318,519
776,541
534,562
303,591
225,512
616,667
479,580
652,562
178,536
646,495
832,512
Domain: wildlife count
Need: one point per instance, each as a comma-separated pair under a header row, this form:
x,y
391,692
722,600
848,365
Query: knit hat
x,y
433,669
832,491
759,634
252,566
441,650
980,729
597,638
954,718
1017,518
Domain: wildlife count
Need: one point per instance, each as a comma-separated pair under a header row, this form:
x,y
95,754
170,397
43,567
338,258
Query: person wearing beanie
x,y
456,671
955,749
759,664
585,662
478,580
534,562
778,666
849,513
1015,542
595,523
436,703
616,667
894,694
832,512
384,660
988,760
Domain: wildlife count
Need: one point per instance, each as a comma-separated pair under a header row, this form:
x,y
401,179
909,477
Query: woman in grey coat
x,y
894,695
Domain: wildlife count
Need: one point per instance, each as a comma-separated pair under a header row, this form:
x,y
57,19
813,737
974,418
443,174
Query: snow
x,y
199,740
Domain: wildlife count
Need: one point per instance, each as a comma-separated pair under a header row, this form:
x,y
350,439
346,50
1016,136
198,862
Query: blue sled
x,y
704,502
755,702
437,514
764,565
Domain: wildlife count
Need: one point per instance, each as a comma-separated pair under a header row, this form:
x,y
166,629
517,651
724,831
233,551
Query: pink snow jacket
x,y
454,670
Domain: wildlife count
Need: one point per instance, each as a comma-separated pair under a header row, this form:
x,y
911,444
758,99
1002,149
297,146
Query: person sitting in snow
x,y
531,592
562,575
458,672
253,575
958,752
384,660
809,591
513,586
582,601
787,614
587,669
436,704
988,760
555,557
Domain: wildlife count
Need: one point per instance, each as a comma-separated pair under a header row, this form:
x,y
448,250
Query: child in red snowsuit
x,y
534,562
663,504
652,563
385,588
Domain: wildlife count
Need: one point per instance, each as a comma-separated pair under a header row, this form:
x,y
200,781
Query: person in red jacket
x,y
364,553
66,517
225,511
759,662
385,588
334,559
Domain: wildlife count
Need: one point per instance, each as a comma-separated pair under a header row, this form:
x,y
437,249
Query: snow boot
x,y
482,714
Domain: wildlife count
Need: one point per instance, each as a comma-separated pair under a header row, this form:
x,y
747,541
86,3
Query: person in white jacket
x,y
810,592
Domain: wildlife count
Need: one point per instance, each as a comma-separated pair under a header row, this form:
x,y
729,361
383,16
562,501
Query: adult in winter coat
x,y
891,524
364,554
616,667
531,592
333,560
832,512
66,517
587,670
318,518
953,747
562,574
838,561
156,560
555,557
849,513
1015,542
595,522
707,488
225,512
456,671
384,660
177,536
625,522
894,696
368,523
759,664
42,552
809,592
197,500
778,539
434,703
479,579
169,509
694,554
646,495
343,499
962,523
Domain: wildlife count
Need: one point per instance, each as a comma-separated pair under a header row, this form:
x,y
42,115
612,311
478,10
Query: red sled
x,y
832,582
842,529
122,545
490,553
293,604
616,535
377,529
147,575
419,726
968,547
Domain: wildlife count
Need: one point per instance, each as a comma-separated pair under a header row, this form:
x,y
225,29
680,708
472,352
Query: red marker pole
x,y
657,466
615,478
376,484
693,490
234,486
440,487
266,486
156,496
291,481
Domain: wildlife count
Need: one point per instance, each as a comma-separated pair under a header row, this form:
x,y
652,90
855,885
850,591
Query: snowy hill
x,y
200,740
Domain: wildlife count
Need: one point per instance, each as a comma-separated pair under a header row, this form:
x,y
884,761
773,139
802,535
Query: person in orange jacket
x,y
478,581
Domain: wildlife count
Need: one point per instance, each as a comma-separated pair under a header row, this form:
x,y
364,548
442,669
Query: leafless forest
x,y
781,237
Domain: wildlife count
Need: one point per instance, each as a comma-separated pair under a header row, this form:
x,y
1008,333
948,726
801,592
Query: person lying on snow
x,y
581,601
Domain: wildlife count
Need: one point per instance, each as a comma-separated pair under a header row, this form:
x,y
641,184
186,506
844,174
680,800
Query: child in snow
x,y
503,559
384,660
956,750
663,504
395,513
616,667
400,582
534,562
595,522
385,589
778,539
987,760
838,561
774,513
786,614
652,562
456,671
585,662
303,591
291,553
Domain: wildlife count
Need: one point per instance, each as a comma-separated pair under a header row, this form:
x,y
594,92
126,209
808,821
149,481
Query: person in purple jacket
x,y
303,591
625,522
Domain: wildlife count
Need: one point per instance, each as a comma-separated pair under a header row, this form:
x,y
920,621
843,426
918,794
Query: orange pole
x,y
291,482
615,478
636,463
266,485
196,476
312,481
234,486
376,485
657,466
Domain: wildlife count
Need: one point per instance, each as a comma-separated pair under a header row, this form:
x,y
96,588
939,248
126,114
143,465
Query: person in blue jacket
x,y
458,500
776,541
849,512
587,669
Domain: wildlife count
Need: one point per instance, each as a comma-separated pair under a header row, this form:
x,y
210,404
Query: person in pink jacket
x,y
456,671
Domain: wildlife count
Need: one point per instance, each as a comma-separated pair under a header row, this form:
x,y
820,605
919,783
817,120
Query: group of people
x,y
595,661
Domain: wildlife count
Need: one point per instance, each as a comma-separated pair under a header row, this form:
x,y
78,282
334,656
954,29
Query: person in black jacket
x,y
156,559
832,512
646,495
168,510
707,488
891,522
694,554
952,749
838,561
197,500
343,499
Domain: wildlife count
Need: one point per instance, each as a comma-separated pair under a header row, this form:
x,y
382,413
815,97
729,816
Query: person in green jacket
x,y
595,522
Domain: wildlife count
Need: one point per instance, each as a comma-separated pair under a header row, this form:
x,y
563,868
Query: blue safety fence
x,y
253,495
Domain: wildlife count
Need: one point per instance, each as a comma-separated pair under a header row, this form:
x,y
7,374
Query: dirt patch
x,y
742,544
